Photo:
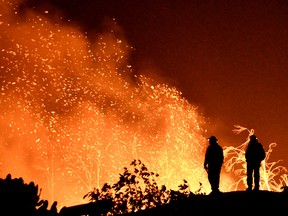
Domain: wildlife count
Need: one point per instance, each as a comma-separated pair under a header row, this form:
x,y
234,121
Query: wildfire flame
x,y
73,114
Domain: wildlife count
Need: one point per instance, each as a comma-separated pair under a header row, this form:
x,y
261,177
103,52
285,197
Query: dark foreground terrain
x,y
228,203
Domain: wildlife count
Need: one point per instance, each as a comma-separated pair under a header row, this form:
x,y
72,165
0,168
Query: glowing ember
x,y
73,115
272,175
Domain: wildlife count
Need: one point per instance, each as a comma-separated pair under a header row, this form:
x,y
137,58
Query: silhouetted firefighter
x,y
214,158
254,155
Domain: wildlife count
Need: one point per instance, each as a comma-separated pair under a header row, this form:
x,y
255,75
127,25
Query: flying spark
x,y
272,175
73,114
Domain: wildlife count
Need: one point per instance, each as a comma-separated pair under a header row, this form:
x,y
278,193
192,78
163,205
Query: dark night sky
x,y
227,57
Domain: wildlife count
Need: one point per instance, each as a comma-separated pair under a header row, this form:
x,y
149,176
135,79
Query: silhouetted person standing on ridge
x,y
214,159
254,155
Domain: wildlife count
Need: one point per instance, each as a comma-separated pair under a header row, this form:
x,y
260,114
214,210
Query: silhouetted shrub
x,y
137,190
19,198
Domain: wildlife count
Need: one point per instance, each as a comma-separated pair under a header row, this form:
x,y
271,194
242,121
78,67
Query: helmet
x,y
212,139
253,137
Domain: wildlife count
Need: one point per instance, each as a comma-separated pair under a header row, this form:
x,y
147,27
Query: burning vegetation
x,y
74,112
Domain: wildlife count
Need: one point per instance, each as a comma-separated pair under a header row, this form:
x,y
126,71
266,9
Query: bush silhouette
x,y
17,197
137,190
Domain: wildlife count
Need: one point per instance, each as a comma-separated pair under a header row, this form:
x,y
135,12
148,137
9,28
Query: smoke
x,y
73,114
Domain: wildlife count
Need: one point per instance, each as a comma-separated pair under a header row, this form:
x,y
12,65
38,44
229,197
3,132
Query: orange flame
x,y
272,175
73,115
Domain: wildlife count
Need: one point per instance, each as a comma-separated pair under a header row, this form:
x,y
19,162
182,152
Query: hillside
x,y
14,192
228,203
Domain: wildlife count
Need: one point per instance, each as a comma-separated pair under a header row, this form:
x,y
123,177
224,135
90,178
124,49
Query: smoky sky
x,y
71,114
229,58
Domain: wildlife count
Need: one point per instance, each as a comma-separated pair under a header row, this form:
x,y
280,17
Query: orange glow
x,y
73,115
272,175
72,118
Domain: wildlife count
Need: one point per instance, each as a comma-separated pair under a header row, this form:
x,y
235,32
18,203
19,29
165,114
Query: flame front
x,y
73,114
